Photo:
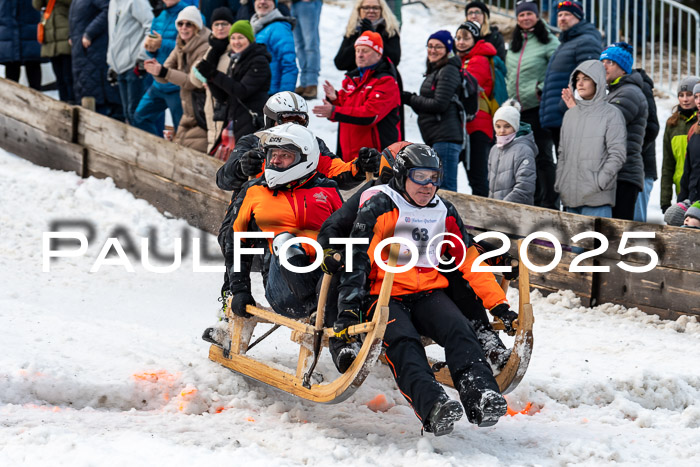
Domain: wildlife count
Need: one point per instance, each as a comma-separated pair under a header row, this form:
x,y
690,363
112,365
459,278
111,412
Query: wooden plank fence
x,y
181,181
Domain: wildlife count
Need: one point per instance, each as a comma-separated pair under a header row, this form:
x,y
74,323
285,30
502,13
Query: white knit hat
x,y
191,14
509,112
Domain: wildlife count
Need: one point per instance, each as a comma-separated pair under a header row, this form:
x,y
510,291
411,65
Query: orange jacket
x,y
299,210
376,220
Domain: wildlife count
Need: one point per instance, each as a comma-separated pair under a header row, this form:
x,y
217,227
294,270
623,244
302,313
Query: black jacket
x,y
690,181
495,38
438,113
244,89
652,129
628,96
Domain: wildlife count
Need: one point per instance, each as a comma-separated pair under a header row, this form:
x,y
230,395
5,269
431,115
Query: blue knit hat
x,y
445,37
620,53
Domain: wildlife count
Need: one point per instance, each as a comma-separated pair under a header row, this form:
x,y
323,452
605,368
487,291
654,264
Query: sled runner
x,y
309,337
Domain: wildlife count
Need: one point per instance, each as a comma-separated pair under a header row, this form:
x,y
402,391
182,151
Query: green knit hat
x,y
243,27
694,210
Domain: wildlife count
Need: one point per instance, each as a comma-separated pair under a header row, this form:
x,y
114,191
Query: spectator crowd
x,y
552,120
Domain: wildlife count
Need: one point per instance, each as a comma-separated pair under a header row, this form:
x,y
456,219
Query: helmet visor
x,y
291,117
282,158
423,176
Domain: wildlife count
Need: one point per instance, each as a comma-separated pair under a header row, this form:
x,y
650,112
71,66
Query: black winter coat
x,y
628,96
345,58
652,129
244,89
495,38
89,18
438,114
18,22
578,44
690,181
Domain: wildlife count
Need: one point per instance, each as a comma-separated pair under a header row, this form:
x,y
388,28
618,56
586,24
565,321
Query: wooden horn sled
x,y
297,381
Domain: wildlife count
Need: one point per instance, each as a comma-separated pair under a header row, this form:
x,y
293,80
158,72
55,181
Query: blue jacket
x,y
18,22
164,24
89,18
578,44
279,40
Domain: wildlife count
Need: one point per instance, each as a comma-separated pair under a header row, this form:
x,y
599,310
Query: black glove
x,y
346,318
406,97
664,207
112,77
206,69
506,260
239,302
330,264
140,69
366,25
505,314
368,160
251,162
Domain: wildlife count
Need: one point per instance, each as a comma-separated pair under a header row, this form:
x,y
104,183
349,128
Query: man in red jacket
x,y
367,107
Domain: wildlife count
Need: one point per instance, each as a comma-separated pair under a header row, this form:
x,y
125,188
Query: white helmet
x,y
295,140
283,106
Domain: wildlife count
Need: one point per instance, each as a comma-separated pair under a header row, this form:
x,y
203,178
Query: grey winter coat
x,y
592,148
128,21
512,172
627,95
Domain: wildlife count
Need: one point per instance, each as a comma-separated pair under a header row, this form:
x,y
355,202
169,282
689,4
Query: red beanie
x,y
372,40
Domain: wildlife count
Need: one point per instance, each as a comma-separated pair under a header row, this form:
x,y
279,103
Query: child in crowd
x,y
690,180
593,147
684,116
512,170
692,217
675,214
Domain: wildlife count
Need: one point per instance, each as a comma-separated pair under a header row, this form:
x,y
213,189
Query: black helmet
x,y
415,156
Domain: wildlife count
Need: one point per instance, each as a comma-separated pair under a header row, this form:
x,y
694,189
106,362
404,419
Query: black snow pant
x,y
225,239
431,314
478,167
625,200
545,196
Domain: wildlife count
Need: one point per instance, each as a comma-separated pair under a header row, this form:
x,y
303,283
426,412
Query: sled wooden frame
x,y
516,367
241,330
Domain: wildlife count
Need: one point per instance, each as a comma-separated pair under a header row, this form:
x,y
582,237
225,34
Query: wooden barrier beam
x,y
40,147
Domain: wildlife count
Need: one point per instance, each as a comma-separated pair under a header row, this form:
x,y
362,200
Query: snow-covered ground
x,y
108,368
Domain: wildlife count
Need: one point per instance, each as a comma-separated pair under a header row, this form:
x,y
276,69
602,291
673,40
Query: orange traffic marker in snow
x,y
530,409
379,404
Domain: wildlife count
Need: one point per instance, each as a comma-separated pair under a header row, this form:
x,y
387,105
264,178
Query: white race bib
x,y
417,225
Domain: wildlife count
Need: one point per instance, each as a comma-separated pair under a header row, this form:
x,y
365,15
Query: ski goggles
x,y
298,118
425,176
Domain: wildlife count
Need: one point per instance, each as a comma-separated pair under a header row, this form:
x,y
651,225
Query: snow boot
x,y
343,353
483,406
215,335
495,351
442,417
